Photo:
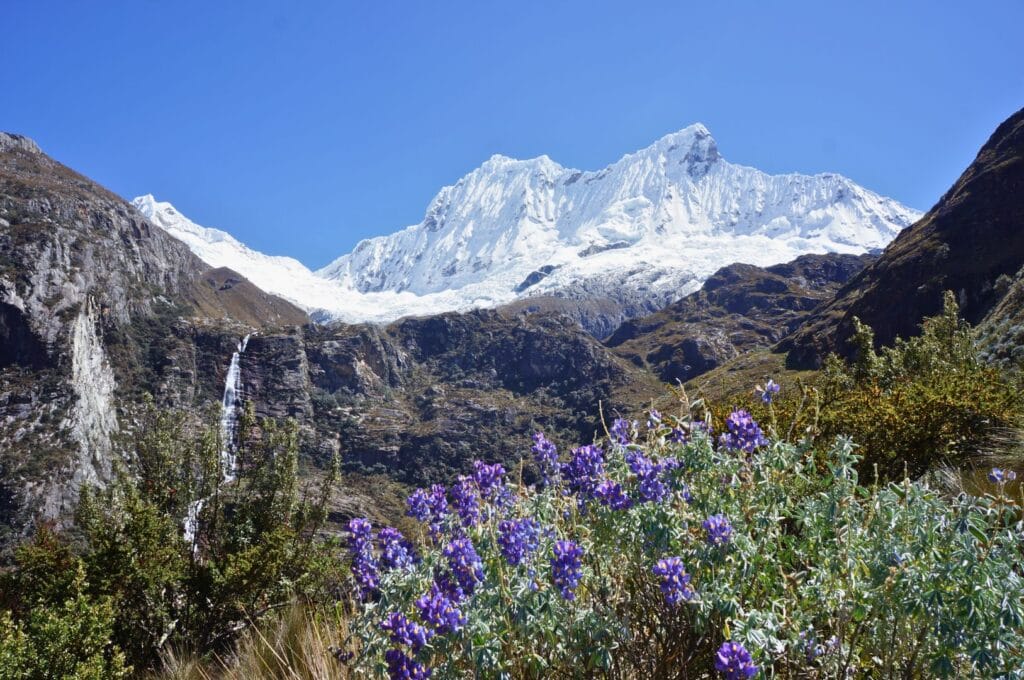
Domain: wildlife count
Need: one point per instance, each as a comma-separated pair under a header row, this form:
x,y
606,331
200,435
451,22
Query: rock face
x,y
966,243
99,307
741,307
91,294
421,397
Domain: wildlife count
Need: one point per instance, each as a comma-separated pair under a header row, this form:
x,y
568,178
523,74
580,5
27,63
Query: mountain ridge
x,y
641,233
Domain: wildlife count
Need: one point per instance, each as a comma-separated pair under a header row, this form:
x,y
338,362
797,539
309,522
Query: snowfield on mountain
x,y
643,232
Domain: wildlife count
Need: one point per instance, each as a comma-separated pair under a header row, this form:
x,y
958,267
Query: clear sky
x,y
302,127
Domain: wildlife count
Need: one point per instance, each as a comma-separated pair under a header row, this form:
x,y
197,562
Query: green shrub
x,y
254,548
68,640
818,576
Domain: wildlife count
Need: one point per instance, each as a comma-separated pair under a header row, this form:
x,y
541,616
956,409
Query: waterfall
x,y
231,405
230,408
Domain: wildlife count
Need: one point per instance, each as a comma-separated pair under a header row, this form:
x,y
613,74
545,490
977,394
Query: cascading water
x,y
230,408
231,404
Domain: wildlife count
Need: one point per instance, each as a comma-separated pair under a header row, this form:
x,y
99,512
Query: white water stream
x,y
231,407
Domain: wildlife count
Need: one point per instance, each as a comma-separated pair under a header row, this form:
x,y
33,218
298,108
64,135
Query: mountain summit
x,y
637,235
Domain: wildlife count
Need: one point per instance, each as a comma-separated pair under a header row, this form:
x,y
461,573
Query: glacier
x,y
642,232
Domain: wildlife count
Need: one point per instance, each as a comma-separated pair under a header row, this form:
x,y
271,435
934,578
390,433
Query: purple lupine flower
x,y
768,392
718,528
734,662
489,479
677,435
367,574
999,476
364,565
611,494
466,499
396,551
546,455
566,569
653,419
402,667
439,612
585,469
361,535
675,582
449,586
406,632
428,505
622,431
419,505
652,487
744,433
518,538
464,563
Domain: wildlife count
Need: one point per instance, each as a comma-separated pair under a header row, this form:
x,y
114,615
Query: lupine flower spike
x,y
733,661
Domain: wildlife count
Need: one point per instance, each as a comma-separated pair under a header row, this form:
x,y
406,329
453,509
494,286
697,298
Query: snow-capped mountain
x,y
642,232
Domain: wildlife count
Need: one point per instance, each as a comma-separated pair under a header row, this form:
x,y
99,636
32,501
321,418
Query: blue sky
x,y
303,127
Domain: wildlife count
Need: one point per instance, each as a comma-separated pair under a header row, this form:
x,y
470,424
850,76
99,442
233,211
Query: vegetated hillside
x,y
420,398
90,292
739,309
966,243
1001,333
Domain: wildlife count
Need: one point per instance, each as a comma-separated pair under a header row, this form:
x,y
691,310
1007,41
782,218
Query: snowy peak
x,y
641,232
508,218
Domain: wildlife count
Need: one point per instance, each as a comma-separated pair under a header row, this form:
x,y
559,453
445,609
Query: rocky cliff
x,y
967,243
90,295
738,309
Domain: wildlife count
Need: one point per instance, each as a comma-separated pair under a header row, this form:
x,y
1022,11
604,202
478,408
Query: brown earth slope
x,y
971,238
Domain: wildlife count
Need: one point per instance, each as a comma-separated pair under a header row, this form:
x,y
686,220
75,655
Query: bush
x,y
253,547
675,554
927,402
923,402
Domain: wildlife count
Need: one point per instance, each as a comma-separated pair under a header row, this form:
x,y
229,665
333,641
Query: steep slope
x,y
966,243
89,293
420,398
635,236
740,308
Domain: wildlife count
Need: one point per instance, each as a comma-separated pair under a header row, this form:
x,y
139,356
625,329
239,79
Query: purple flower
x,y
999,476
546,455
396,551
677,435
405,632
439,611
622,431
402,667
718,528
585,469
428,505
566,569
744,434
447,584
675,582
653,419
611,494
361,532
466,500
464,563
518,538
652,487
364,565
734,662
489,479
770,389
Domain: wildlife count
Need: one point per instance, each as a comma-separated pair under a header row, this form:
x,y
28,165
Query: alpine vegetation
x,y
666,551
